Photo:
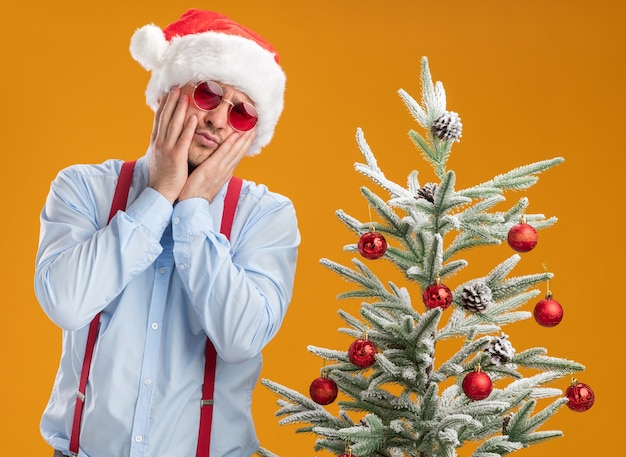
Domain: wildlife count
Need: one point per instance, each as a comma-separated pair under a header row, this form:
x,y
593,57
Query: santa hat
x,y
204,45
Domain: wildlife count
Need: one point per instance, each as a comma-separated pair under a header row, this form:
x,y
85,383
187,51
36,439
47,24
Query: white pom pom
x,y
148,46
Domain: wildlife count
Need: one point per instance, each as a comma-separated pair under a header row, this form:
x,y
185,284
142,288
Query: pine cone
x,y
428,192
448,127
476,297
501,350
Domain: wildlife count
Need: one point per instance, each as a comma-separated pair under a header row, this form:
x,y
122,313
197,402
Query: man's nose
x,y
218,117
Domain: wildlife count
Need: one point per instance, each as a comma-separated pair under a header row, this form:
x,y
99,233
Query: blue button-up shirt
x,y
164,279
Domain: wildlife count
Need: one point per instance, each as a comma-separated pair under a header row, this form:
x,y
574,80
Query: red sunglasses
x,y
208,95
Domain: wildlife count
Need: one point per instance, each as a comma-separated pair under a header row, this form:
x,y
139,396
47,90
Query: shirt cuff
x,y
191,216
152,210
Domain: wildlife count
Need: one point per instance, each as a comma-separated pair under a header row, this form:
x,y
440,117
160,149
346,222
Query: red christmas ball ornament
x,y
522,237
372,245
362,353
348,453
323,390
477,385
548,312
580,396
437,295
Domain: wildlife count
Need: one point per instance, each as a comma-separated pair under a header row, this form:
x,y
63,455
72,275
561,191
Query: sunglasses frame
x,y
248,107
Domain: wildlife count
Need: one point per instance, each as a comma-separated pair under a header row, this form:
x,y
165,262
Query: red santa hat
x,y
204,45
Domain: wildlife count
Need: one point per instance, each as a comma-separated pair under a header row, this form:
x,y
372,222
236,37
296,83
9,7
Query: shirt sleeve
x,y
240,292
81,267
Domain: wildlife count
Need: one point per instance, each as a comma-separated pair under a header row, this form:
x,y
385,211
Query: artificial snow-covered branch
x,y
318,414
536,358
519,178
372,171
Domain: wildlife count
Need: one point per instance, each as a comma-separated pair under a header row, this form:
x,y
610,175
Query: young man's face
x,y
213,126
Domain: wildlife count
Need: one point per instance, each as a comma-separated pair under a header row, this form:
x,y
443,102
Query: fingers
x,y
213,173
164,113
186,136
234,148
171,138
157,119
170,119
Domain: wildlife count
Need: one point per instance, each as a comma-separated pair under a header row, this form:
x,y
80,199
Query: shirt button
x,y
162,270
155,326
176,220
139,438
182,266
147,381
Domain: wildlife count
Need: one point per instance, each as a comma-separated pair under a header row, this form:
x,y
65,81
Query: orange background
x,y
531,80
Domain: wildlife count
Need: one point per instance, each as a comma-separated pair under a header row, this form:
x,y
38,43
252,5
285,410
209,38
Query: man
x,y
160,273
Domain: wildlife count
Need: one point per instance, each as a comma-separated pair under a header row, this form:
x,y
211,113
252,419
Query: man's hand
x,y
169,145
209,177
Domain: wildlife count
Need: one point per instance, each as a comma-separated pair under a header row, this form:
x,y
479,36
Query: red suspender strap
x,y
121,191
119,203
230,205
206,410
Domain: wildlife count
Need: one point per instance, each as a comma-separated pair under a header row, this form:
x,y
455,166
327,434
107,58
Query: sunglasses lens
x,y
208,95
243,117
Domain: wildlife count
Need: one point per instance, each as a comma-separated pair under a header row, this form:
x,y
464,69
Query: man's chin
x,y
198,158
192,165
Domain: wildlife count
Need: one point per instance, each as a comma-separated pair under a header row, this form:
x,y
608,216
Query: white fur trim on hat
x,y
226,58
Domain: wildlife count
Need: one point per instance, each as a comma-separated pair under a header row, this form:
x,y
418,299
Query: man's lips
x,y
207,139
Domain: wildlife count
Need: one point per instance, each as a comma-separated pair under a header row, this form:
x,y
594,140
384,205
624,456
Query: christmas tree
x,y
396,400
